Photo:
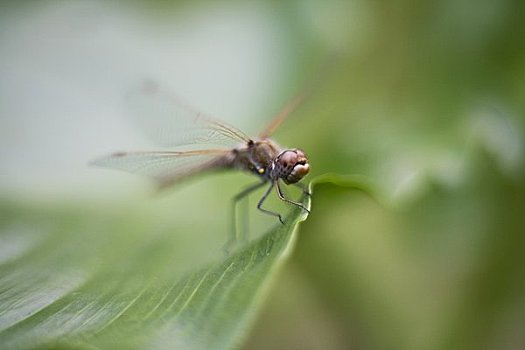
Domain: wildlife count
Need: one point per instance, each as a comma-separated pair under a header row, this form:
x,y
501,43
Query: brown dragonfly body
x,y
187,126
265,158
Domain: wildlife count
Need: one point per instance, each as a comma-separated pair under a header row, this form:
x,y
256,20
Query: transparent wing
x,y
283,114
169,121
166,167
328,63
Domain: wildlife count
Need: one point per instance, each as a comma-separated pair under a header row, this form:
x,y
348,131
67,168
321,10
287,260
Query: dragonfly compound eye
x,y
294,166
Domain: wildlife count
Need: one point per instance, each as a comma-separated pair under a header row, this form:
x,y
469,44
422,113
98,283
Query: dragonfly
x,y
213,145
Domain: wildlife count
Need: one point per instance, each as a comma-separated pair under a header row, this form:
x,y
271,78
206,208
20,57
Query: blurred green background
x,y
425,100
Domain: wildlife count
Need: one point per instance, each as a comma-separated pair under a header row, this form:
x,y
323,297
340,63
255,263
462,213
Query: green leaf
x,y
72,279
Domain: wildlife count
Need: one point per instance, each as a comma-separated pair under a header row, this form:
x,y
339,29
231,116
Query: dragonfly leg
x,y
303,187
232,230
244,222
261,201
283,198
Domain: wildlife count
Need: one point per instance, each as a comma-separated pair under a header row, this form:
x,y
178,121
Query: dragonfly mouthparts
x,y
291,166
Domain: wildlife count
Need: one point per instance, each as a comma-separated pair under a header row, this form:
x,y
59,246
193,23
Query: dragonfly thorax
x,y
264,158
291,166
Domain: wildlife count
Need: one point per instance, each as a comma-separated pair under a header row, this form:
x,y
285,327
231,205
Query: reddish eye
x,y
288,158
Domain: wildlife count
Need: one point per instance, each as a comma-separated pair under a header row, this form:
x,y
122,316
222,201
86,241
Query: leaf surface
x,y
70,280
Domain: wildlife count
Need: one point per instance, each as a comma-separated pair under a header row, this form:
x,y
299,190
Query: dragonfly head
x,y
291,165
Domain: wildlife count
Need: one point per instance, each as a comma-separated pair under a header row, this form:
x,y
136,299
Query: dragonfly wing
x,y
327,64
283,114
169,121
167,167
